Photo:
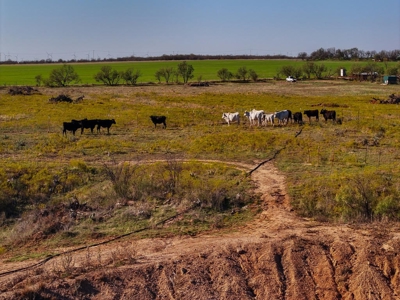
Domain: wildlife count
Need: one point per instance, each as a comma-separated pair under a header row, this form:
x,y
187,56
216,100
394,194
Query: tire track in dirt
x,y
279,255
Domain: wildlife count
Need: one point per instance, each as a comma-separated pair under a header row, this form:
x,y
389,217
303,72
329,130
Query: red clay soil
x,y
277,256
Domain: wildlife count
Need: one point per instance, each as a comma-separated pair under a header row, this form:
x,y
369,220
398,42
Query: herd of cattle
x,y
256,117
283,117
74,125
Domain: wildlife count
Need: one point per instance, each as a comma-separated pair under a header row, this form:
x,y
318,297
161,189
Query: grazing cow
x,y
282,116
88,124
254,116
105,123
85,123
290,115
78,122
231,117
328,114
268,118
70,126
312,113
159,120
298,117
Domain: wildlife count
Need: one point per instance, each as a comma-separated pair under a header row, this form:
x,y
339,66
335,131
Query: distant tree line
x,y
320,54
164,57
350,54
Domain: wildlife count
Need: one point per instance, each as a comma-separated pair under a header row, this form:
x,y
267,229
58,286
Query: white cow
x,y
254,116
231,117
268,118
282,116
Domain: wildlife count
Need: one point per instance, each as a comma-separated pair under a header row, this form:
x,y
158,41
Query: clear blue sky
x,y
38,29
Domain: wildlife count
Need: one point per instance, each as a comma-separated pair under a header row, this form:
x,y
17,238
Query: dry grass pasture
x,y
190,211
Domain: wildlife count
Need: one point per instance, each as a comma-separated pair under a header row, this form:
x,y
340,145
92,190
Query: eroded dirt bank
x,y
277,256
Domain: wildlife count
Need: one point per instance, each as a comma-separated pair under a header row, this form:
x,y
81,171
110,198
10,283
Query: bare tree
x,y
302,55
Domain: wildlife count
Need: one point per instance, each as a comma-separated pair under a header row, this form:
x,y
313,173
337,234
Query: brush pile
x,y
22,90
61,98
393,99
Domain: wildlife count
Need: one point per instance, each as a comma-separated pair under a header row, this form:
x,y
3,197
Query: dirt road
x,y
277,256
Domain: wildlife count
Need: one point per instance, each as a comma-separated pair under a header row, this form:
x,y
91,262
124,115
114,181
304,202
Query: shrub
x,y
61,76
356,197
242,74
130,76
166,73
178,183
224,74
121,177
388,207
108,76
186,71
290,70
253,75
39,80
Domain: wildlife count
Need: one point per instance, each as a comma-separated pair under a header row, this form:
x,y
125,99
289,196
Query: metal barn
x,y
390,79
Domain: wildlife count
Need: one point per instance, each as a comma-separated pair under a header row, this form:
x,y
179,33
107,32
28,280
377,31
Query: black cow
x,y
78,123
298,117
85,123
312,113
70,126
290,116
159,120
105,123
328,114
88,124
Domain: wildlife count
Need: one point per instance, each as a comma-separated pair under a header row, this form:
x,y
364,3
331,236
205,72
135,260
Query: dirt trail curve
x,y
277,256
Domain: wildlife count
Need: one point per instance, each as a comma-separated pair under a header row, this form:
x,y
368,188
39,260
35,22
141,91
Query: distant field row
x,y
205,69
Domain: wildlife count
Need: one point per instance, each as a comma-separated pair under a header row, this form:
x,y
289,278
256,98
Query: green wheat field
x,y
206,70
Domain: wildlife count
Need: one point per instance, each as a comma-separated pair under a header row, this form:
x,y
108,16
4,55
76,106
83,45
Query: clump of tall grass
x,y
28,185
367,195
123,197
175,182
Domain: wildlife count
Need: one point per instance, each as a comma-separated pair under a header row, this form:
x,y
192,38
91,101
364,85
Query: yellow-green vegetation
x,y
139,175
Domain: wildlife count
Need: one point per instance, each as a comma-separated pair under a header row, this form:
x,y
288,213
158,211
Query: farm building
x,y
365,76
390,79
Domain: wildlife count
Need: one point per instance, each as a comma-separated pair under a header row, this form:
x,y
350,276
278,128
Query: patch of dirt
x,y
277,256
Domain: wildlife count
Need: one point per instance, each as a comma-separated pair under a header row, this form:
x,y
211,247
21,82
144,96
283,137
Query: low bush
x,y
176,182
365,196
